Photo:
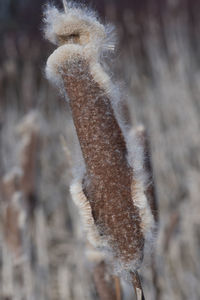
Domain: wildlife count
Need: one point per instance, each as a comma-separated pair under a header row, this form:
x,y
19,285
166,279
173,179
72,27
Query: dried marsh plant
x,y
115,192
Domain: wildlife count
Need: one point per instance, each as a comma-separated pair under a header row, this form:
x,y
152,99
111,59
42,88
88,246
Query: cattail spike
x,y
65,5
111,196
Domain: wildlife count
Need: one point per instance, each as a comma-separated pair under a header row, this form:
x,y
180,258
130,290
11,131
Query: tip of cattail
x,y
65,5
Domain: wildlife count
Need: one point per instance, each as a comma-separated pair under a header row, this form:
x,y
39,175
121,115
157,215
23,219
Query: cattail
x,y
111,194
18,186
29,132
12,210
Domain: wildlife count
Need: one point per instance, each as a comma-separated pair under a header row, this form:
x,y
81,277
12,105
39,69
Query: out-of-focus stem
x,y
104,283
117,288
137,286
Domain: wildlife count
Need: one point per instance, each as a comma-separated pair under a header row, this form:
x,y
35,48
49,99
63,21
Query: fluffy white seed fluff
x,y
78,33
147,219
136,158
85,211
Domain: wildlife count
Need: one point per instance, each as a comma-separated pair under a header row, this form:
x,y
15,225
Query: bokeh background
x,y
157,65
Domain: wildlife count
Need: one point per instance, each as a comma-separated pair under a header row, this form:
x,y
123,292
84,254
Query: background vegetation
x,y
158,61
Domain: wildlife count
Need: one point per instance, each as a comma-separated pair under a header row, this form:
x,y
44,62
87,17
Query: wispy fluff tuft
x,y
77,20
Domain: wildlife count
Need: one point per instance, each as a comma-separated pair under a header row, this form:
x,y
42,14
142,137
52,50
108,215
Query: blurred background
x,y
41,243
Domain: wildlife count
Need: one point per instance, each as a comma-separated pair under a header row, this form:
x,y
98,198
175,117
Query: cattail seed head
x,y
111,195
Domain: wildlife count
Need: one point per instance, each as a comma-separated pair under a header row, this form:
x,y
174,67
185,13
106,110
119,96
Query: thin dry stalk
x,y
117,288
137,286
11,211
104,282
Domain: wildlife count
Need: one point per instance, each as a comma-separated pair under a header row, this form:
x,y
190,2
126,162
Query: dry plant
x,y
114,191
19,201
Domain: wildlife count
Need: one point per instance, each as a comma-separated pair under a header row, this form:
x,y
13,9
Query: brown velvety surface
x,y
108,180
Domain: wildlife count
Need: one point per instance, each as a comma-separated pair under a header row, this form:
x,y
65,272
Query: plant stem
x,y
137,286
